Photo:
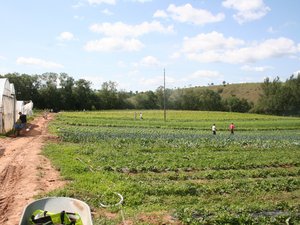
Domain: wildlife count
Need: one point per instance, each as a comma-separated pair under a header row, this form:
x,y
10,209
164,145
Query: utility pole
x,y
165,113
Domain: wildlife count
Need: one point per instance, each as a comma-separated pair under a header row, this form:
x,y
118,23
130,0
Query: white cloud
x,y
65,36
113,44
2,57
188,14
271,48
107,12
98,2
256,68
214,47
77,5
210,41
120,29
38,62
247,10
150,61
160,14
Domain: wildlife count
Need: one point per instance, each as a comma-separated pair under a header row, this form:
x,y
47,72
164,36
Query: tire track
x,y
8,179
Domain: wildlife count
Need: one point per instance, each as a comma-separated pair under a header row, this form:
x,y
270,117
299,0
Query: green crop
x,y
179,167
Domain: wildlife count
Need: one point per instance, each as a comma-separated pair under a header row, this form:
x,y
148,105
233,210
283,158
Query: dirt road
x,y
24,172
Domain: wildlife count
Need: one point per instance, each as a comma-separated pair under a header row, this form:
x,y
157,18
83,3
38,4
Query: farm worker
x,y
141,115
17,128
214,129
20,124
231,128
23,119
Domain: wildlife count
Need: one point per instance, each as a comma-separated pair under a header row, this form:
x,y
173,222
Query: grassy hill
x,y
249,91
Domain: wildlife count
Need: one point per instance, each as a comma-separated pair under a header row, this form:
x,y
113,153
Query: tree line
x,y
63,92
280,98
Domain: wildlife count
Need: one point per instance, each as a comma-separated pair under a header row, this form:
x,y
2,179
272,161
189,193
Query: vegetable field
x,y
176,170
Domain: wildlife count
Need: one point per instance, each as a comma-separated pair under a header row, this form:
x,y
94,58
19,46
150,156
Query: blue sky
x,y
130,42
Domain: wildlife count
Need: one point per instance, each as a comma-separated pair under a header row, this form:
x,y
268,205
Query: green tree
x,y
190,100
144,100
234,104
67,85
83,95
163,97
175,100
272,100
108,95
123,100
209,100
293,88
50,95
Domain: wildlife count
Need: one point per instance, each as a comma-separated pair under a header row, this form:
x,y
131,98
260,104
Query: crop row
x,y
261,139
180,120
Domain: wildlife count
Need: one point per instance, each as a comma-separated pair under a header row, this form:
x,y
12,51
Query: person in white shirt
x,y
214,129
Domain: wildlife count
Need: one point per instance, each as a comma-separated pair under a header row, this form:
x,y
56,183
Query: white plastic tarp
x,y
24,108
7,105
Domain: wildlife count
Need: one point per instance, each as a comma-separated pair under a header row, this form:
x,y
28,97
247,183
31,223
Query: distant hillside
x,y
249,91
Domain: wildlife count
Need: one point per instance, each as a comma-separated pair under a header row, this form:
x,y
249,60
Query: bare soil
x,y
24,172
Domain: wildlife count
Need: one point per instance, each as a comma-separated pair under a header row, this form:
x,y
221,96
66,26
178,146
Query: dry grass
x,y
249,91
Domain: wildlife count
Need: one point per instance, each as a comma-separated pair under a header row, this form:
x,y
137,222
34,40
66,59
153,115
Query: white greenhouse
x,y
10,107
7,105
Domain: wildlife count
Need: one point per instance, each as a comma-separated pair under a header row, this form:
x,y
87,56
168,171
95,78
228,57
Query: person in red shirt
x,y
231,128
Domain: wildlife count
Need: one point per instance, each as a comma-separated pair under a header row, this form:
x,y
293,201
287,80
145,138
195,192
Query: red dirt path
x,y
24,172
